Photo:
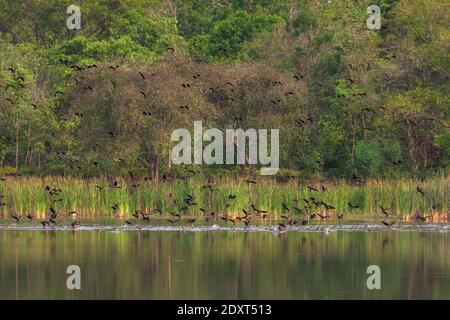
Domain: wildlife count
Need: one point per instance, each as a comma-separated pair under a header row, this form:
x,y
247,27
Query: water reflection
x,y
223,265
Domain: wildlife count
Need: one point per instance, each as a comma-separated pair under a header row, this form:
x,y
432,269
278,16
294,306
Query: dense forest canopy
x,y
105,98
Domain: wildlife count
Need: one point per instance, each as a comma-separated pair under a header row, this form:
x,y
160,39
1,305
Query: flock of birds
x,y
80,81
299,212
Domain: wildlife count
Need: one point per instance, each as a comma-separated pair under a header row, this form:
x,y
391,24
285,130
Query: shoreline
x,y
324,228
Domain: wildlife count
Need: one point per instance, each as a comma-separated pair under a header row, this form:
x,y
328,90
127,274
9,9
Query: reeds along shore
x,y
403,198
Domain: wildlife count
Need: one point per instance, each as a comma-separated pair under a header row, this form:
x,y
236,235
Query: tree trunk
x,y
292,12
353,141
425,156
411,148
363,119
27,155
17,147
156,169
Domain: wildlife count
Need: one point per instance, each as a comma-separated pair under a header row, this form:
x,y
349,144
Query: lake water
x,y
224,264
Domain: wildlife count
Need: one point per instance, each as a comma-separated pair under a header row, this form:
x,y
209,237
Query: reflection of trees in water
x,y
223,264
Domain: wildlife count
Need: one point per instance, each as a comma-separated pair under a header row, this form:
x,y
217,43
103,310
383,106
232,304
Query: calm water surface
x,y
224,264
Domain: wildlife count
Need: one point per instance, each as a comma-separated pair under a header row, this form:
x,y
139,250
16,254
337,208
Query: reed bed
x,y
25,195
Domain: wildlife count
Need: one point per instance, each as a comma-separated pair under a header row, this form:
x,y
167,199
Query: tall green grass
x,y
28,195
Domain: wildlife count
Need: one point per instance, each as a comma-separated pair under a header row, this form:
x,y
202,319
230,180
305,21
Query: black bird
x,y
353,206
318,83
384,210
323,217
388,224
419,190
298,209
75,224
327,206
175,214
30,216
53,214
71,213
45,223
422,218
115,184
129,223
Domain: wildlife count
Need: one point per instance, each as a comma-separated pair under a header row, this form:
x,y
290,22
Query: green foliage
x,y
369,102
226,38
367,158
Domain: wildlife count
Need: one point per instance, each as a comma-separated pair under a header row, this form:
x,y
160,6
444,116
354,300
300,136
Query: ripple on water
x,y
273,228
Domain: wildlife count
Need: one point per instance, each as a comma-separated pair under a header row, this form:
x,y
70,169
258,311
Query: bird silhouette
x,y
142,75
419,190
353,206
422,218
75,224
384,210
388,224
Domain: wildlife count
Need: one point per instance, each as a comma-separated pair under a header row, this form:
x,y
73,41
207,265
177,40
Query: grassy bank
x,y
96,197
